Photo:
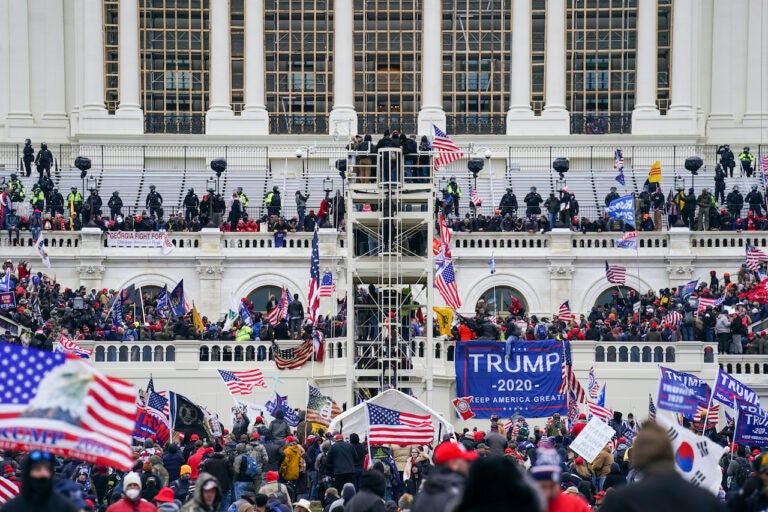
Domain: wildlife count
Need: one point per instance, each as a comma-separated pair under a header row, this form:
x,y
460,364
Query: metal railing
x,y
595,124
476,124
191,124
297,124
378,123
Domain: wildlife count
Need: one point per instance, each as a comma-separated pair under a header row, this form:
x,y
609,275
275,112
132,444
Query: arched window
x,y
205,353
607,297
658,355
611,354
600,354
250,353
99,356
623,354
238,353
112,354
646,354
124,354
634,355
261,295
146,353
499,298
261,353
670,354
170,354
159,353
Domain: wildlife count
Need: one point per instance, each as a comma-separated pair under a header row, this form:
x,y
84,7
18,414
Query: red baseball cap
x,y
449,451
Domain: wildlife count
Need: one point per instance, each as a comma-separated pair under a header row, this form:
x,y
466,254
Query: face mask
x,y
132,493
39,487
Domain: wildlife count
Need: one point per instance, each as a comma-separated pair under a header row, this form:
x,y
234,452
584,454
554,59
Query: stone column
x,y
431,69
255,109
129,110
721,108
54,103
343,118
93,58
520,77
554,87
682,114
19,105
756,115
219,116
645,115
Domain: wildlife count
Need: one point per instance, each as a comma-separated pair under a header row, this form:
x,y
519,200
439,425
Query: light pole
x,y
487,153
475,165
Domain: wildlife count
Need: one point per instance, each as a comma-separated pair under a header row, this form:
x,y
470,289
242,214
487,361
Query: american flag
x,y
242,382
279,310
569,380
445,282
765,163
705,302
592,385
313,298
754,257
615,274
599,411
673,318
388,426
84,414
573,409
474,197
327,286
321,409
294,357
565,311
158,402
445,236
163,394
8,490
651,408
712,415
67,346
447,150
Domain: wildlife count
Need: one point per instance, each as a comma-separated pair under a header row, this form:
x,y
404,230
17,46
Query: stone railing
x,y
744,364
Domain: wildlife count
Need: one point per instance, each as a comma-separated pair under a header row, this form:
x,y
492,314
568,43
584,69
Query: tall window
x,y
476,55
387,40
174,54
111,60
237,52
299,64
664,43
600,73
538,53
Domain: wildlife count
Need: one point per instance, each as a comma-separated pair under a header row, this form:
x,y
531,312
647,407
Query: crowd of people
x,y
265,466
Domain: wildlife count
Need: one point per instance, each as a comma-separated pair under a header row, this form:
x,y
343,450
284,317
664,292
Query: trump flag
x,y
58,403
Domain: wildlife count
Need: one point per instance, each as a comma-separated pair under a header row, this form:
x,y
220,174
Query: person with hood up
x,y
219,467
132,500
37,487
370,497
279,429
443,488
347,493
159,469
290,467
207,496
172,462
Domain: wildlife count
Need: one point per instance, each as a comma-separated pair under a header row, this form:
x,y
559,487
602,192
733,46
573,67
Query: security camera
x,y
299,153
488,154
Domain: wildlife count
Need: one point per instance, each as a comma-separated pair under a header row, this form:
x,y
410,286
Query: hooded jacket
x,y
37,495
441,490
197,504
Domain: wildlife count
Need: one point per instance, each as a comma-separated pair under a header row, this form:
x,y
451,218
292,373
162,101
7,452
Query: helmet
x,y
533,189
151,187
613,189
191,191
27,142
239,190
274,189
43,145
74,189
115,193
13,175
746,148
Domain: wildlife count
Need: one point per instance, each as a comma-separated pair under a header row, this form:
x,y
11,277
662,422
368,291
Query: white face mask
x,y
132,493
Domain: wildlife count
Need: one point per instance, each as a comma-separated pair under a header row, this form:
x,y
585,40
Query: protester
x,y
37,487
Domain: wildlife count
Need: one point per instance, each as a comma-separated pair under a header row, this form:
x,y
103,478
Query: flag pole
x,y
306,411
368,435
141,301
735,426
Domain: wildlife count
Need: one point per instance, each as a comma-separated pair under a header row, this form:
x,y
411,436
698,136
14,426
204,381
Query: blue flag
x,y
117,312
622,208
281,403
601,398
681,392
245,315
492,264
751,425
5,281
688,288
162,301
176,300
728,388
618,164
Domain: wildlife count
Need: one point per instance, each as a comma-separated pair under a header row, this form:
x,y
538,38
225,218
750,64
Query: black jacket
x,y
665,492
34,498
341,458
441,491
219,466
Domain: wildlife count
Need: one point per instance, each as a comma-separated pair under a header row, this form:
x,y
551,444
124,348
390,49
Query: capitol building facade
x,y
152,90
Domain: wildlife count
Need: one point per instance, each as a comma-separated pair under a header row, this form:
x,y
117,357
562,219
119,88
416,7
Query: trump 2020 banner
x,y
681,392
751,425
527,382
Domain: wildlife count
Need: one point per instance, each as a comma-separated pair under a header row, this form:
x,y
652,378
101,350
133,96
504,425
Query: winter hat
x,y
131,478
185,470
164,495
478,435
373,481
240,448
547,466
272,476
8,469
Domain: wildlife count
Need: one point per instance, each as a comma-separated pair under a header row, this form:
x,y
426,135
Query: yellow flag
x,y
444,319
655,175
197,322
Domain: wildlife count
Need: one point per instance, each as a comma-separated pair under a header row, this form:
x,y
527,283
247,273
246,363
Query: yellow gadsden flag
x,y
444,319
197,322
655,175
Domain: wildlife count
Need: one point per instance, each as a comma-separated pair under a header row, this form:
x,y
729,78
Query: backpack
x,y
688,318
541,332
251,466
742,474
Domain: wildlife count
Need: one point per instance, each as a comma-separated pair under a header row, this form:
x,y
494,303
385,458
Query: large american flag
x,y
651,408
673,318
388,426
705,302
68,346
599,411
564,313
447,150
445,282
569,380
474,197
592,385
765,163
166,406
327,286
242,382
279,310
754,257
294,357
313,297
158,402
615,274
8,490
83,413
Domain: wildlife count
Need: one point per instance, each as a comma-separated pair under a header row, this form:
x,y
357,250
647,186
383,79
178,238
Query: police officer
x,y
17,188
191,205
44,160
74,201
734,202
455,192
612,195
37,199
755,200
508,204
726,158
94,203
746,158
28,156
272,201
243,198
154,202
56,202
115,205
532,202
719,184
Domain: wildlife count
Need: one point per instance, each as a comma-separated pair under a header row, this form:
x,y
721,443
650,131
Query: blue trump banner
x,y
525,383
681,392
622,208
728,387
751,425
